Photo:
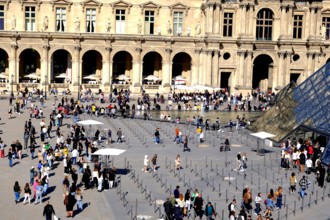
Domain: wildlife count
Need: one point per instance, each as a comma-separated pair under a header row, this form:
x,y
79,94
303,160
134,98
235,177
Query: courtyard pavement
x,y
138,194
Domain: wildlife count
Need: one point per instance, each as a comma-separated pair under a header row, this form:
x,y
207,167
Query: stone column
x,y
206,67
284,28
44,65
106,71
76,68
210,18
209,67
137,81
311,21
195,68
251,23
286,77
318,22
13,66
167,65
240,76
280,73
221,14
216,19
248,70
215,68
290,21
309,65
201,74
243,16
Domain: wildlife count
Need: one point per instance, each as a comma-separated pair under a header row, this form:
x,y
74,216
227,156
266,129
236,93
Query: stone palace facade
x,y
235,44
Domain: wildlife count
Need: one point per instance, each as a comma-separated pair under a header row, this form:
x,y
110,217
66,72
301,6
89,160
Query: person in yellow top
x,y
198,131
65,151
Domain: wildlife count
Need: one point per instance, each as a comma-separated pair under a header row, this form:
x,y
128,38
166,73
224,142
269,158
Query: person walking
x,y
293,181
185,144
27,193
48,211
209,211
120,136
112,177
79,198
69,202
303,183
154,162
39,191
10,158
17,192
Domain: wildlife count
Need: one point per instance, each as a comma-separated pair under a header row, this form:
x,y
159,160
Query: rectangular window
x,y
120,21
297,26
60,19
177,23
228,25
90,20
2,18
149,20
326,22
30,18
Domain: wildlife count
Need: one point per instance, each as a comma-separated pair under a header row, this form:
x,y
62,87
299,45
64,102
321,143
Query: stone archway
x,y
181,66
91,67
262,72
4,65
122,65
61,67
29,63
152,65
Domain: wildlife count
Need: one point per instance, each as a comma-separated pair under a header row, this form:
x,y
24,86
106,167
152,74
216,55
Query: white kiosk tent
x,y
262,135
105,153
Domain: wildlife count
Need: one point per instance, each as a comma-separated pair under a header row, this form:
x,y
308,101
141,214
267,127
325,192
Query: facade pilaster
x,y
209,17
311,22
209,67
248,71
195,68
286,77
280,72
13,64
318,22
240,77
201,67
216,19
44,65
167,64
76,66
250,16
290,21
243,16
215,68
107,70
137,76
284,28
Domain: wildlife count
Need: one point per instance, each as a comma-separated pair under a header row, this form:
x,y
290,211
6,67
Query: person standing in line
x,y
10,158
145,163
48,211
185,144
154,162
17,192
27,193
303,183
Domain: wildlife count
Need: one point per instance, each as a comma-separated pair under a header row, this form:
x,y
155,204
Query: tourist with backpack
x,y
209,211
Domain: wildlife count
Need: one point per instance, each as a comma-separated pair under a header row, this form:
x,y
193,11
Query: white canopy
x,y
93,77
152,78
3,75
182,87
180,78
32,76
109,152
123,77
62,76
201,87
263,135
89,122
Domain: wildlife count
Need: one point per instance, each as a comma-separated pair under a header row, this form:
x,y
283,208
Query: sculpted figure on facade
x,y
323,32
77,23
198,29
169,27
13,22
109,25
45,23
139,27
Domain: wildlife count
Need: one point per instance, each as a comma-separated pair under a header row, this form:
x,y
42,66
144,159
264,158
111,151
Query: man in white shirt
x,y
309,166
74,155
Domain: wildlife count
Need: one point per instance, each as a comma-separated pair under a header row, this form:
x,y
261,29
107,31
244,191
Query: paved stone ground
x,y
139,193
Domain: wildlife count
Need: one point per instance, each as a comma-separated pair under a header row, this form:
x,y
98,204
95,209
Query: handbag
x,y
56,218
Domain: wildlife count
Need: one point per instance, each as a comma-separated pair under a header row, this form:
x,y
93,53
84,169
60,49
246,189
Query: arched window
x,y
264,24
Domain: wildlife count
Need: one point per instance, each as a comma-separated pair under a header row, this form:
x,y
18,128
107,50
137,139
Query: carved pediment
x,y
150,5
64,3
6,3
179,6
91,3
33,2
121,4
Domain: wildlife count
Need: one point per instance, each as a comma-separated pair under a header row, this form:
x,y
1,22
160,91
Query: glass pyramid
x,y
307,104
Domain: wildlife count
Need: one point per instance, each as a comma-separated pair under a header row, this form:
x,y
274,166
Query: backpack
x,y
221,148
